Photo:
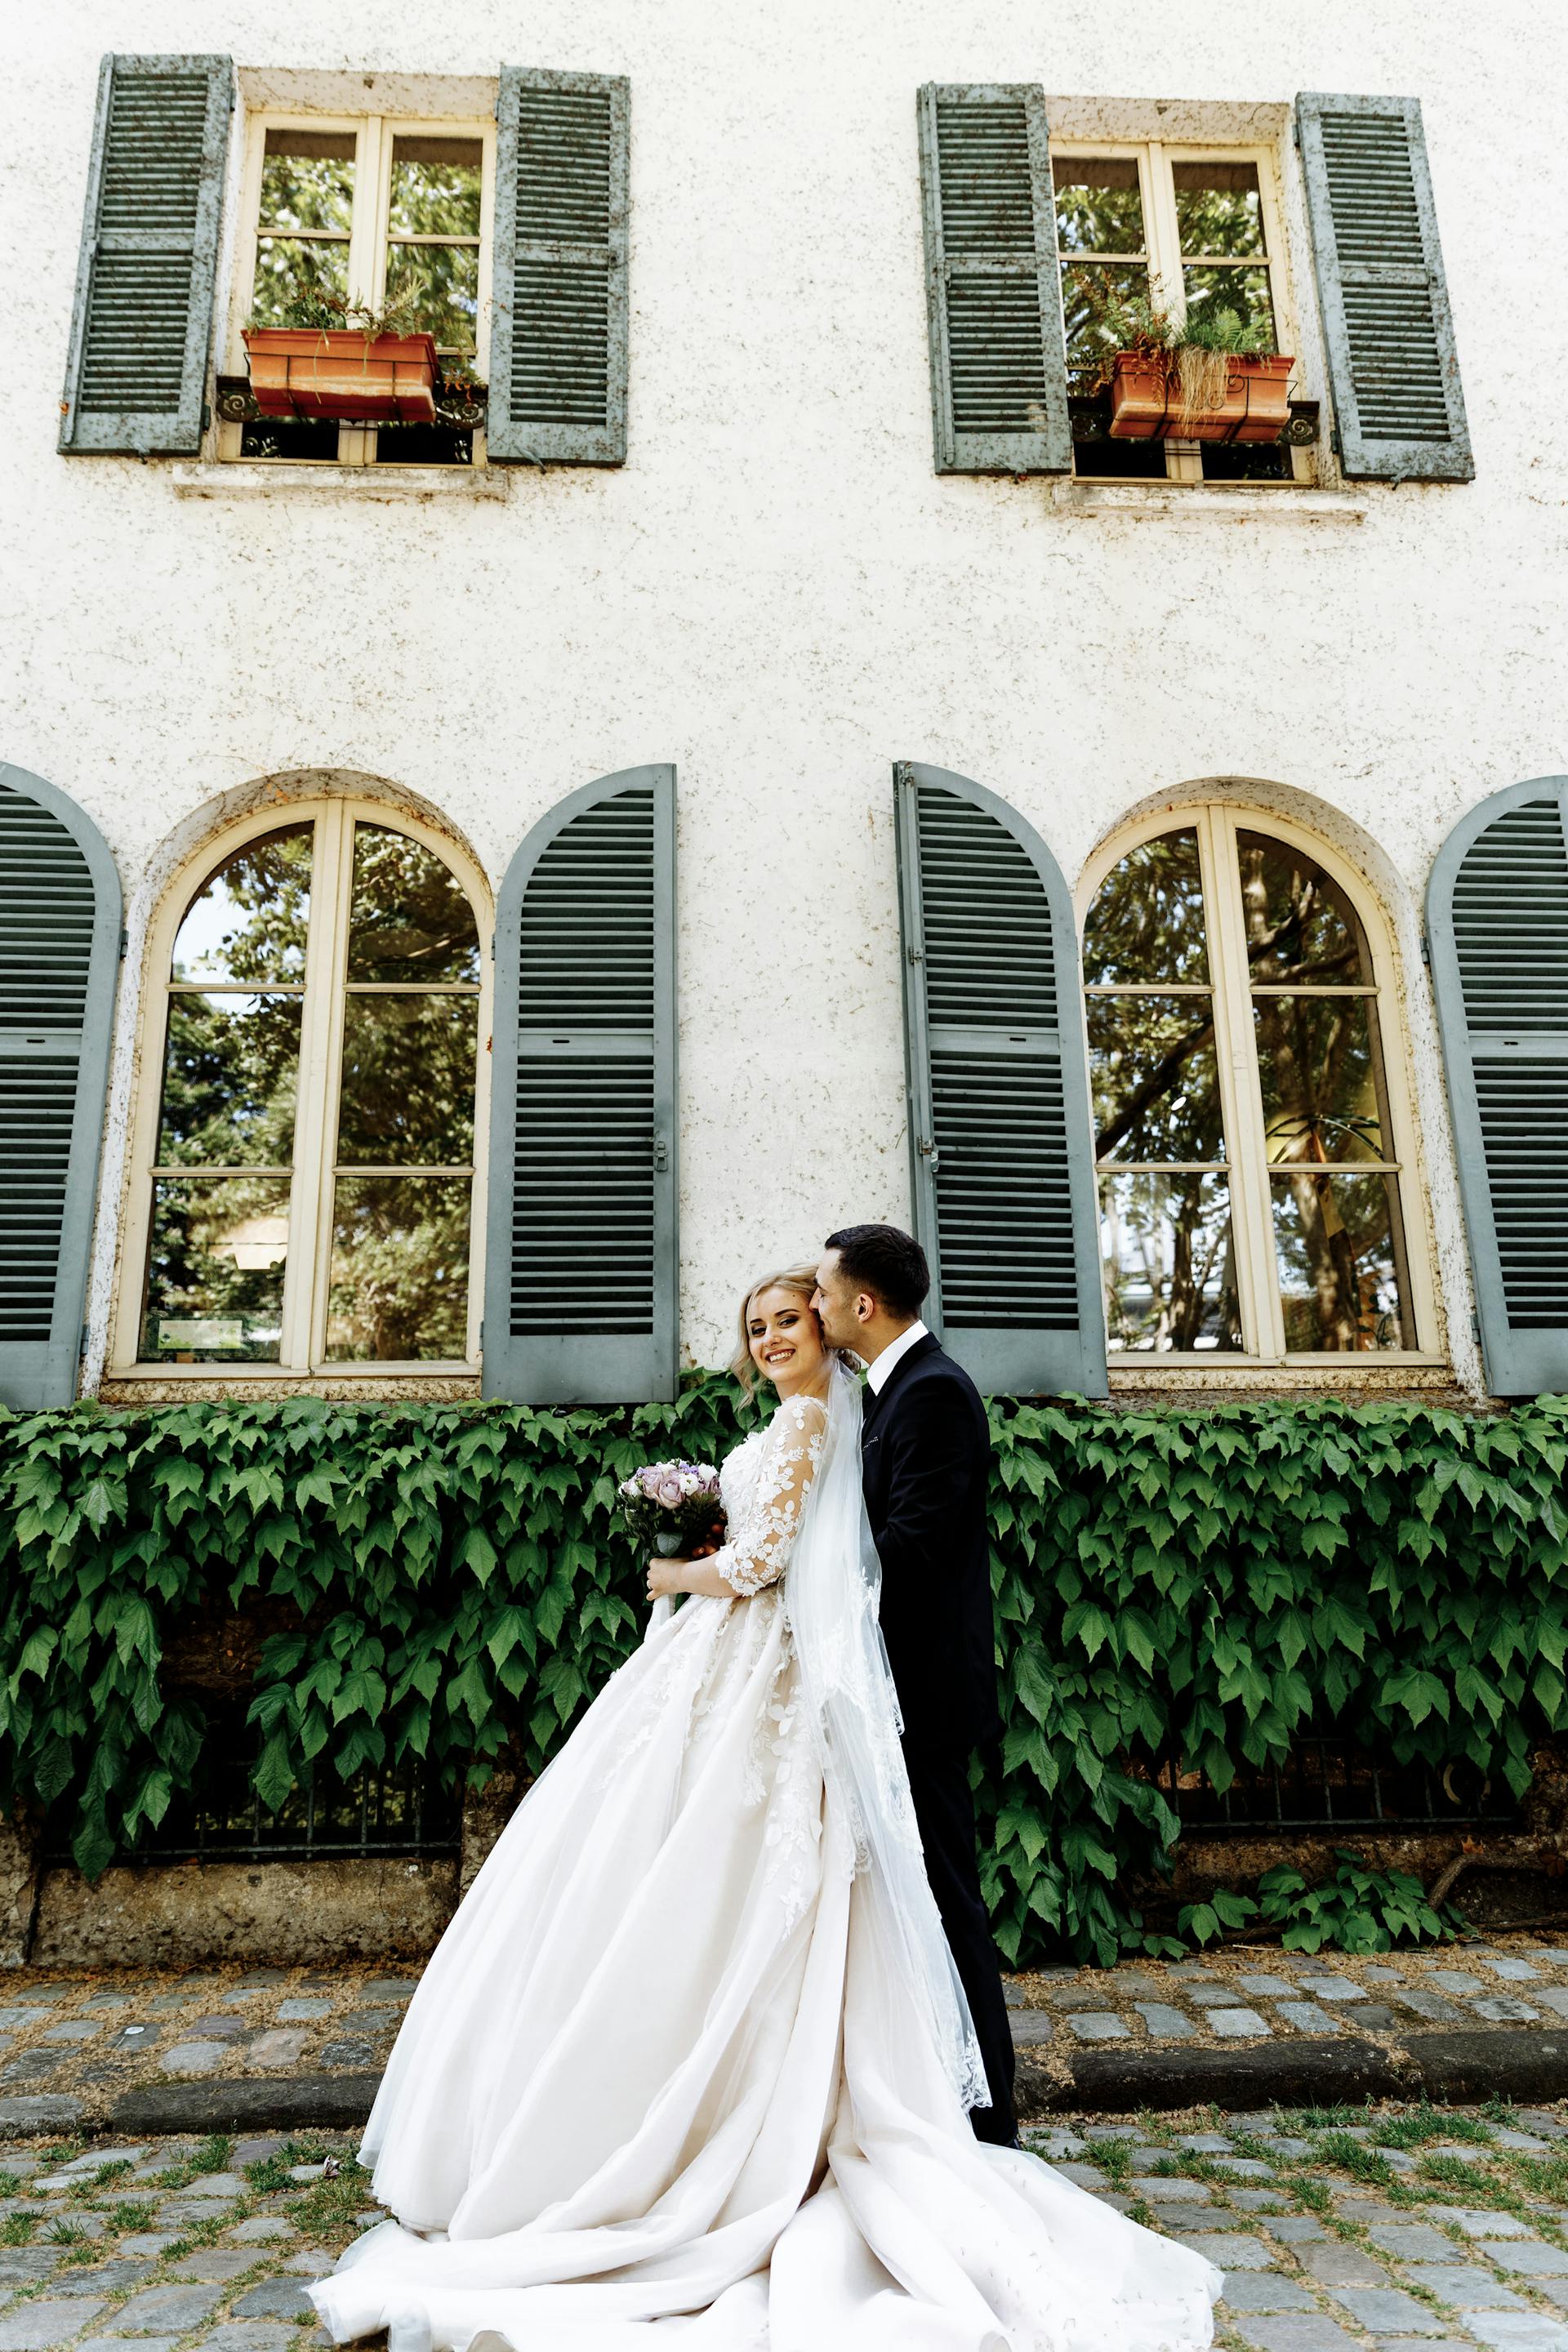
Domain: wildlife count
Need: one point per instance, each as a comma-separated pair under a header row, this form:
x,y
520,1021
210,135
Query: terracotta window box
x,y
337,373
1146,400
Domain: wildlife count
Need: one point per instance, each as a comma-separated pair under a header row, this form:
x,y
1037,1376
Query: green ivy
x,y
451,1580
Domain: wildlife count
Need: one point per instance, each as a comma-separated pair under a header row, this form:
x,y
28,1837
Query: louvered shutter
x,y
999,357
582,1279
59,960
141,328
1394,369
1002,1152
558,340
1498,924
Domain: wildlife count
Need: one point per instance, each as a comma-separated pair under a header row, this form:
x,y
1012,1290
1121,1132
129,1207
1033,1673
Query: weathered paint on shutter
x,y
998,356
1000,1147
59,961
1498,927
558,339
582,1278
1394,369
142,328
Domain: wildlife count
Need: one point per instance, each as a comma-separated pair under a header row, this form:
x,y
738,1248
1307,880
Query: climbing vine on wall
x,y
445,1582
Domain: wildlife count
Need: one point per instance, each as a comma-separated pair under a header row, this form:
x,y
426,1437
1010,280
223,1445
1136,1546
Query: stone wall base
x,y
280,1914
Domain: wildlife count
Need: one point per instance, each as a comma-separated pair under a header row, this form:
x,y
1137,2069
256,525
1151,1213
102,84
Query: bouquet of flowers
x,y
672,1505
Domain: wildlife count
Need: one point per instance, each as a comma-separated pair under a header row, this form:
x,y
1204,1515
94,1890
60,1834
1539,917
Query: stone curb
x,y
1469,2067
1324,2072
282,2102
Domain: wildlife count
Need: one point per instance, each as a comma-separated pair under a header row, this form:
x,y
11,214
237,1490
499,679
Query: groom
x,y
926,1458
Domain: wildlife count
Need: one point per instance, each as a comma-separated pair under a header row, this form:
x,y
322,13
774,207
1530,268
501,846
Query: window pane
x,y
308,180
1089,288
1317,1067
410,917
400,1269
435,187
1335,1242
1243,293
215,1270
289,271
1099,208
293,443
230,1067
248,922
447,279
1156,1094
1219,207
1301,927
408,1082
1147,919
1165,1254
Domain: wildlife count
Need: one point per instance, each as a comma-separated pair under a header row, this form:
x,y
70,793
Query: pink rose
x,y
670,1492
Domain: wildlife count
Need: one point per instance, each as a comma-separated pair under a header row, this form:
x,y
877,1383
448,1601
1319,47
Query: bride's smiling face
x,y
786,1341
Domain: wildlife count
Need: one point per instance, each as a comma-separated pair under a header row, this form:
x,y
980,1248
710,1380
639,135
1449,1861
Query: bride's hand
x,y
666,1576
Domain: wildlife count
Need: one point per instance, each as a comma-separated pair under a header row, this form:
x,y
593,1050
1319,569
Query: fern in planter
x,y
1195,352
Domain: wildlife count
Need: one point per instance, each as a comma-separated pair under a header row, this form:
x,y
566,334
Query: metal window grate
x,y
395,1811
1332,1784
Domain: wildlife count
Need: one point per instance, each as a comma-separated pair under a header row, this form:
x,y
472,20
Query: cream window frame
x,y
374,135
302,1355
1217,823
1164,260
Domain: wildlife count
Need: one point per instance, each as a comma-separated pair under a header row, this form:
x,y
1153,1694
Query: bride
x,y
693,2055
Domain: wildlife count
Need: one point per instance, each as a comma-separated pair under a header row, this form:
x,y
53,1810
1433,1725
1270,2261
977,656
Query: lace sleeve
x,y
758,1553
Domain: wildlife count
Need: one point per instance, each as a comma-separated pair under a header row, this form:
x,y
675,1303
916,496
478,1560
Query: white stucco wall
x,y
776,591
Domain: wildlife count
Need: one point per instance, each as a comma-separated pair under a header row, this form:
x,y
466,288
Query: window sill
x,y
234,478
1208,1377
1210,502
257,1384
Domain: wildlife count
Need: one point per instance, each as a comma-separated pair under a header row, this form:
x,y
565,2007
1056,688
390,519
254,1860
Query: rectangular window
x,y
377,212
1194,233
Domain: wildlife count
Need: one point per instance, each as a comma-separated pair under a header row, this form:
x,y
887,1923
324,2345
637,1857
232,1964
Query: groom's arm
x,y
931,1472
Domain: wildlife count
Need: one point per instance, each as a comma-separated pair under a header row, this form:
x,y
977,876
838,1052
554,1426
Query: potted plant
x,y
331,358
1213,378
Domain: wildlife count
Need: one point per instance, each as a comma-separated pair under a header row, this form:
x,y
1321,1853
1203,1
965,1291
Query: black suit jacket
x,y
926,1462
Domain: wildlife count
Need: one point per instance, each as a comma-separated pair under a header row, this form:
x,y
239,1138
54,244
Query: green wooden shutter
x,y
1394,369
581,1277
999,357
1498,927
142,328
1002,1151
558,338
59,961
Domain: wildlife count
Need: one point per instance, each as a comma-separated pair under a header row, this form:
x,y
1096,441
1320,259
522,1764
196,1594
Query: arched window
x,y
306,1152
1252,1142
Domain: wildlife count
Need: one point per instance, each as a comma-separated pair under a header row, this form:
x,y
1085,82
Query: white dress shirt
x,y
877,1371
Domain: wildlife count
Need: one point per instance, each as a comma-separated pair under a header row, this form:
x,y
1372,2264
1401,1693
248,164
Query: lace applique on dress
x,y
772,1498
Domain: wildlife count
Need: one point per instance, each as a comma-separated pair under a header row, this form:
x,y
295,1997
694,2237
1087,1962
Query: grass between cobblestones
x,y
1326,2219
1399,2227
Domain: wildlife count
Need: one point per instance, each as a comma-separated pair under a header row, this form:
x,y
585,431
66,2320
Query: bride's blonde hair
x,y
802,1280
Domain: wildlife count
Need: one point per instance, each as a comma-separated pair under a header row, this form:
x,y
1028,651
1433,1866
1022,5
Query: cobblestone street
x,y
137,2051
1406,2229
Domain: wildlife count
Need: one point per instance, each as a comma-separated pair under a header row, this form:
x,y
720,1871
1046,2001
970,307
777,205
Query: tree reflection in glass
x,y
1339,1242
399,1273
1339,1275
216,1266
1168,1262
1165,1230
400,1270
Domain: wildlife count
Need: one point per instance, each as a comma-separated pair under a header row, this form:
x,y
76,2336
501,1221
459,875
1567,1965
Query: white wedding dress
x,y
680,2060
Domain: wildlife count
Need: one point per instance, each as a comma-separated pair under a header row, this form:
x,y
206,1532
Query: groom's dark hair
x,y
888,1263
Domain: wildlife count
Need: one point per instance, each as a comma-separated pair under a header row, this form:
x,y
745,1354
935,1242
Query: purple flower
x,y
670,1492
